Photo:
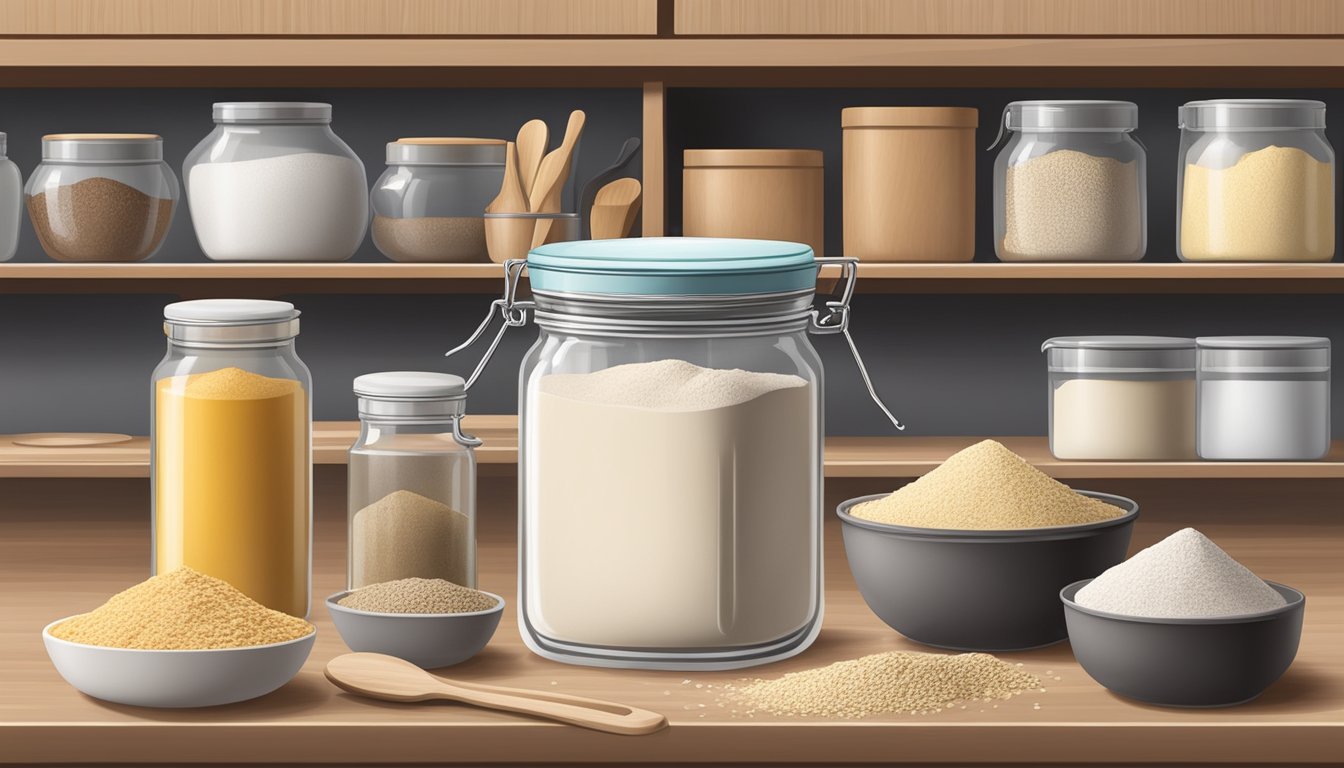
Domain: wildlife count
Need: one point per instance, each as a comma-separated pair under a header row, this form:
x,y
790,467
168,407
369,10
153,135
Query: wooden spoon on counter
x,y
511,197
532,140
614,209
392,679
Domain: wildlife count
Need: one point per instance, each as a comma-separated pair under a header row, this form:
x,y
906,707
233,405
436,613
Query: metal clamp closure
x,y
508,308
836,320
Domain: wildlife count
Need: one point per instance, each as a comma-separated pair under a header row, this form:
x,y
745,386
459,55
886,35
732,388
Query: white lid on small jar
x,y
413,395
1071,115
230,321
102,147
1252,115
1264,354
272,112
446,151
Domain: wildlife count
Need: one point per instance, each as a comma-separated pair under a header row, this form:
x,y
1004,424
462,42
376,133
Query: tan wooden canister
x,y
768,194
909,181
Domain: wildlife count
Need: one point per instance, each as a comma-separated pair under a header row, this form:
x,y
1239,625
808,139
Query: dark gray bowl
x,y
427,640
979,590
1186,662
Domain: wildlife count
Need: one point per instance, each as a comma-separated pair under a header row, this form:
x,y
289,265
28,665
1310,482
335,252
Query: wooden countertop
x,y
65,545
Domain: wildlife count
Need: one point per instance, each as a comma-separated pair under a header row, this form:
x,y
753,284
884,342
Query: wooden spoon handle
x,y
596,714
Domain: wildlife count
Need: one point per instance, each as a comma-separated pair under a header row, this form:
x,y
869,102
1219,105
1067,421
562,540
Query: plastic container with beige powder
x,y
1121,398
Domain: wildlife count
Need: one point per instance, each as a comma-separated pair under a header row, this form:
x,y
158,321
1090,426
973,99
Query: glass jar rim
x,y
272,112
1076,115
102,147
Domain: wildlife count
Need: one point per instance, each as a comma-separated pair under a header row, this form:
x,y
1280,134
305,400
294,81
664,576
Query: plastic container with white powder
x,y
272,182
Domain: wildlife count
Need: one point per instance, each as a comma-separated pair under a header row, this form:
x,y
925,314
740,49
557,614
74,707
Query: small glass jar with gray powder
x,y
430,202
101,196
1069,185
412,481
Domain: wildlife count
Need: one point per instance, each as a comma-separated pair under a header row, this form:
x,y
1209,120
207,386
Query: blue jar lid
x,y
672,266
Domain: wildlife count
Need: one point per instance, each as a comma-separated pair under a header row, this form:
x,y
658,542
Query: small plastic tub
x,y
1213,662
1263,398
979,590
427,640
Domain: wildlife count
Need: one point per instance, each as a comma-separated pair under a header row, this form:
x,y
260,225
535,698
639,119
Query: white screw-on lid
x,y
410,385
1263,342
229,312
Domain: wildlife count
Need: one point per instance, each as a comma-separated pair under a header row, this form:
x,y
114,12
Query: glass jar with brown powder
x,y
101,196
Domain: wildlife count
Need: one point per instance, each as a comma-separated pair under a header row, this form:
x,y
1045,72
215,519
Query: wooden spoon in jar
x,y
511,197
532,140
392,679
614,209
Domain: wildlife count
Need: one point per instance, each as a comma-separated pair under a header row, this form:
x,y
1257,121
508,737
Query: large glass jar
x,y
11,203
670,452
1070,184
412,481
101,196
1256,181
232,473
272,182
429,203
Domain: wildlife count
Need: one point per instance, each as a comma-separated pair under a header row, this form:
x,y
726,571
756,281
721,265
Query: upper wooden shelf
x,y
710,62
982,277
844,457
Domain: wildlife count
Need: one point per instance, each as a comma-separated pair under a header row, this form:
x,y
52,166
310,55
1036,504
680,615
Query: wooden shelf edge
x,y
846,457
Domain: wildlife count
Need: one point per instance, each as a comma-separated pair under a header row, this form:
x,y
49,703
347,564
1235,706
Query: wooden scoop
x,y
532,140
615,209
391,679
554,170
511,197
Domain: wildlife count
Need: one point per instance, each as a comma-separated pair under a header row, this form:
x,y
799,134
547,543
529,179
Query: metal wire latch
x,y
507,308
836,320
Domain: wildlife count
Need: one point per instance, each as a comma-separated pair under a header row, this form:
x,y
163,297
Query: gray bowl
x,y
1215,662
177,679
427,640
979,590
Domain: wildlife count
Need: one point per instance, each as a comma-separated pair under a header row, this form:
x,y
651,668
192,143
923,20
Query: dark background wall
x,y
948,364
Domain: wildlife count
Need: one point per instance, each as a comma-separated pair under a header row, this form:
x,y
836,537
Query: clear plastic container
x,y
1121,398
412,481
232,468
1256,181
1264,398
101,196
670,458
11,203
429,203
1071,183
272,182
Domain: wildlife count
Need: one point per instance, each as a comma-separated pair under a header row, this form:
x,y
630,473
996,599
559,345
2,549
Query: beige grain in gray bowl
x,y
427,640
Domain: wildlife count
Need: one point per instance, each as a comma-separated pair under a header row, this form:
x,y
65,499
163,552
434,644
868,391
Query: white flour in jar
x,y
1252,419
1122,420
308,206
670,505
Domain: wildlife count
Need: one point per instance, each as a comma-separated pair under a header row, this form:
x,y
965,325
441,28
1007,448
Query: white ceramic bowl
x,y
427,640
177,679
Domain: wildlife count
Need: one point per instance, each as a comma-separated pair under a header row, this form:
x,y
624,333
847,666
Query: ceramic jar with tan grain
x,y
762,194
909,183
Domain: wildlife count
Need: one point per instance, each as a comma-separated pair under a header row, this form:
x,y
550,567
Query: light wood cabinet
x,y
328,17
1034,18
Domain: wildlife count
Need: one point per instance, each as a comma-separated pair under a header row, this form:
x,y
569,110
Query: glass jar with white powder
x,y
272,182
1264,398
1070,183
11,203
412,481
670,460
1121,398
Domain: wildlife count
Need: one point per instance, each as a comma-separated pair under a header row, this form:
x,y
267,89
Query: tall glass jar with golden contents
x,y
232,466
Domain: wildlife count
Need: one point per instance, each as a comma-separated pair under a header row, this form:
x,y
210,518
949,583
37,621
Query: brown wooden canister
x,y
769,194
909,180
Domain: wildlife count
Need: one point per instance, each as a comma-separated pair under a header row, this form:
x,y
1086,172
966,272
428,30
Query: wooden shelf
x,y
62,555
629,62
845,457
198,279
